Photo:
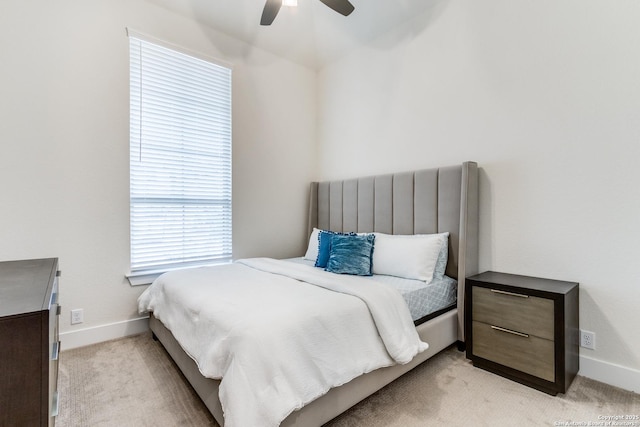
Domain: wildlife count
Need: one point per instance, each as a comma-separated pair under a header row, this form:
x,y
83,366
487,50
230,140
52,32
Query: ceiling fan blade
x,y
341,6
271,9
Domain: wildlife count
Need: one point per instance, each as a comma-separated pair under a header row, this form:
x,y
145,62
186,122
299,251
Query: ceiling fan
x,y
272,7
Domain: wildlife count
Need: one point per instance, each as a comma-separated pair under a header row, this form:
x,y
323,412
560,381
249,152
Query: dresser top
x,y
525,282
25,286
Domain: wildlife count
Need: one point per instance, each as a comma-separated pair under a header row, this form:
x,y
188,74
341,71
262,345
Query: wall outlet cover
x,y
77,316
588,339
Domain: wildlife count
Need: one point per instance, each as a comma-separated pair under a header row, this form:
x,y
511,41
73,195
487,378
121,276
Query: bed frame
x,y
427,201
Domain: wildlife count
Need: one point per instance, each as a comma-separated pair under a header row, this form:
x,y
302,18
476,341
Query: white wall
x,y
545,96
64,132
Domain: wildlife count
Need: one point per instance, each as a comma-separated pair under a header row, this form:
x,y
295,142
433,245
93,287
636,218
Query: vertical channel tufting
x,y
403,203
426,202
449,193
383,204
335,206
366,199
313,207
323,205
350,205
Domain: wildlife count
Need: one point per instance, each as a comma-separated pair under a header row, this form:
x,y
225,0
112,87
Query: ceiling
x,y
311,34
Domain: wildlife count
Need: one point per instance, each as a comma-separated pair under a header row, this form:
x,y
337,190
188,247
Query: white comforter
x,y
276,341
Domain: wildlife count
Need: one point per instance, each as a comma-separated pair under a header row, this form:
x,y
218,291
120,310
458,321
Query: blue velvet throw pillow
x,y
351,254
324,246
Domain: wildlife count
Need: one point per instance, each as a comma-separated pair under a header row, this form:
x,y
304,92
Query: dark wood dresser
x,y
524,328
29,314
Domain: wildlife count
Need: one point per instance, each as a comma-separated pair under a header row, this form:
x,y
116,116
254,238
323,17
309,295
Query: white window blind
x,y
180,159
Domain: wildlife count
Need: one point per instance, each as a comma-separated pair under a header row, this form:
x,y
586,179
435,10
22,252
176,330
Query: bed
x,y
439,200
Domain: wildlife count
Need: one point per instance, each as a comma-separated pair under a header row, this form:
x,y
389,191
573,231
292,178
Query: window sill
x,y
140,279
147,277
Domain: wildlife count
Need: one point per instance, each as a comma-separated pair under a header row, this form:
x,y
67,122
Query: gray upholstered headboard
x,y
419,202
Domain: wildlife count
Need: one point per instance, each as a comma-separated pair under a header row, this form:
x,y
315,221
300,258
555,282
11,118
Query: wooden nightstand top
x,y
524,282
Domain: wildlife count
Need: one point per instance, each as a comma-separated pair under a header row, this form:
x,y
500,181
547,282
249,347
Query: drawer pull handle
x,y
509,331
513,294
55,404
55,350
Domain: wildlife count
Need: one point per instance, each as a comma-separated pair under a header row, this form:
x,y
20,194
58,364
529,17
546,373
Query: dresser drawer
x,y
531,354
518,312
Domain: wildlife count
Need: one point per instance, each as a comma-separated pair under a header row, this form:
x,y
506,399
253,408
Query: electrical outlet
x,y
77,316
587,339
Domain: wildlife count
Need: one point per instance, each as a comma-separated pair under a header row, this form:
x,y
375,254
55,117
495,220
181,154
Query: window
x,y
180,159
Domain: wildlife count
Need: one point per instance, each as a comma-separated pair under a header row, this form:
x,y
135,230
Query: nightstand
x,y
523,328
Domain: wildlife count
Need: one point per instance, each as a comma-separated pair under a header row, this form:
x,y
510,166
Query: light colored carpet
x,y
133,382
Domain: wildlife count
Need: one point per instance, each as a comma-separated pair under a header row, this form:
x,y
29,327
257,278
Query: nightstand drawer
x,y
528,354
517,312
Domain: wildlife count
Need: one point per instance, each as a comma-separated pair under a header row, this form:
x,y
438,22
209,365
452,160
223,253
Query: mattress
x,y
421,298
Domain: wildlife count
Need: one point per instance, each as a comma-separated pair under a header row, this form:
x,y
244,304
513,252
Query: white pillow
x,y
312,249
408,256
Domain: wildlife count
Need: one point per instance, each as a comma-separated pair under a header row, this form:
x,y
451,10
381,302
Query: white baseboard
x,y
88,336
610,373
